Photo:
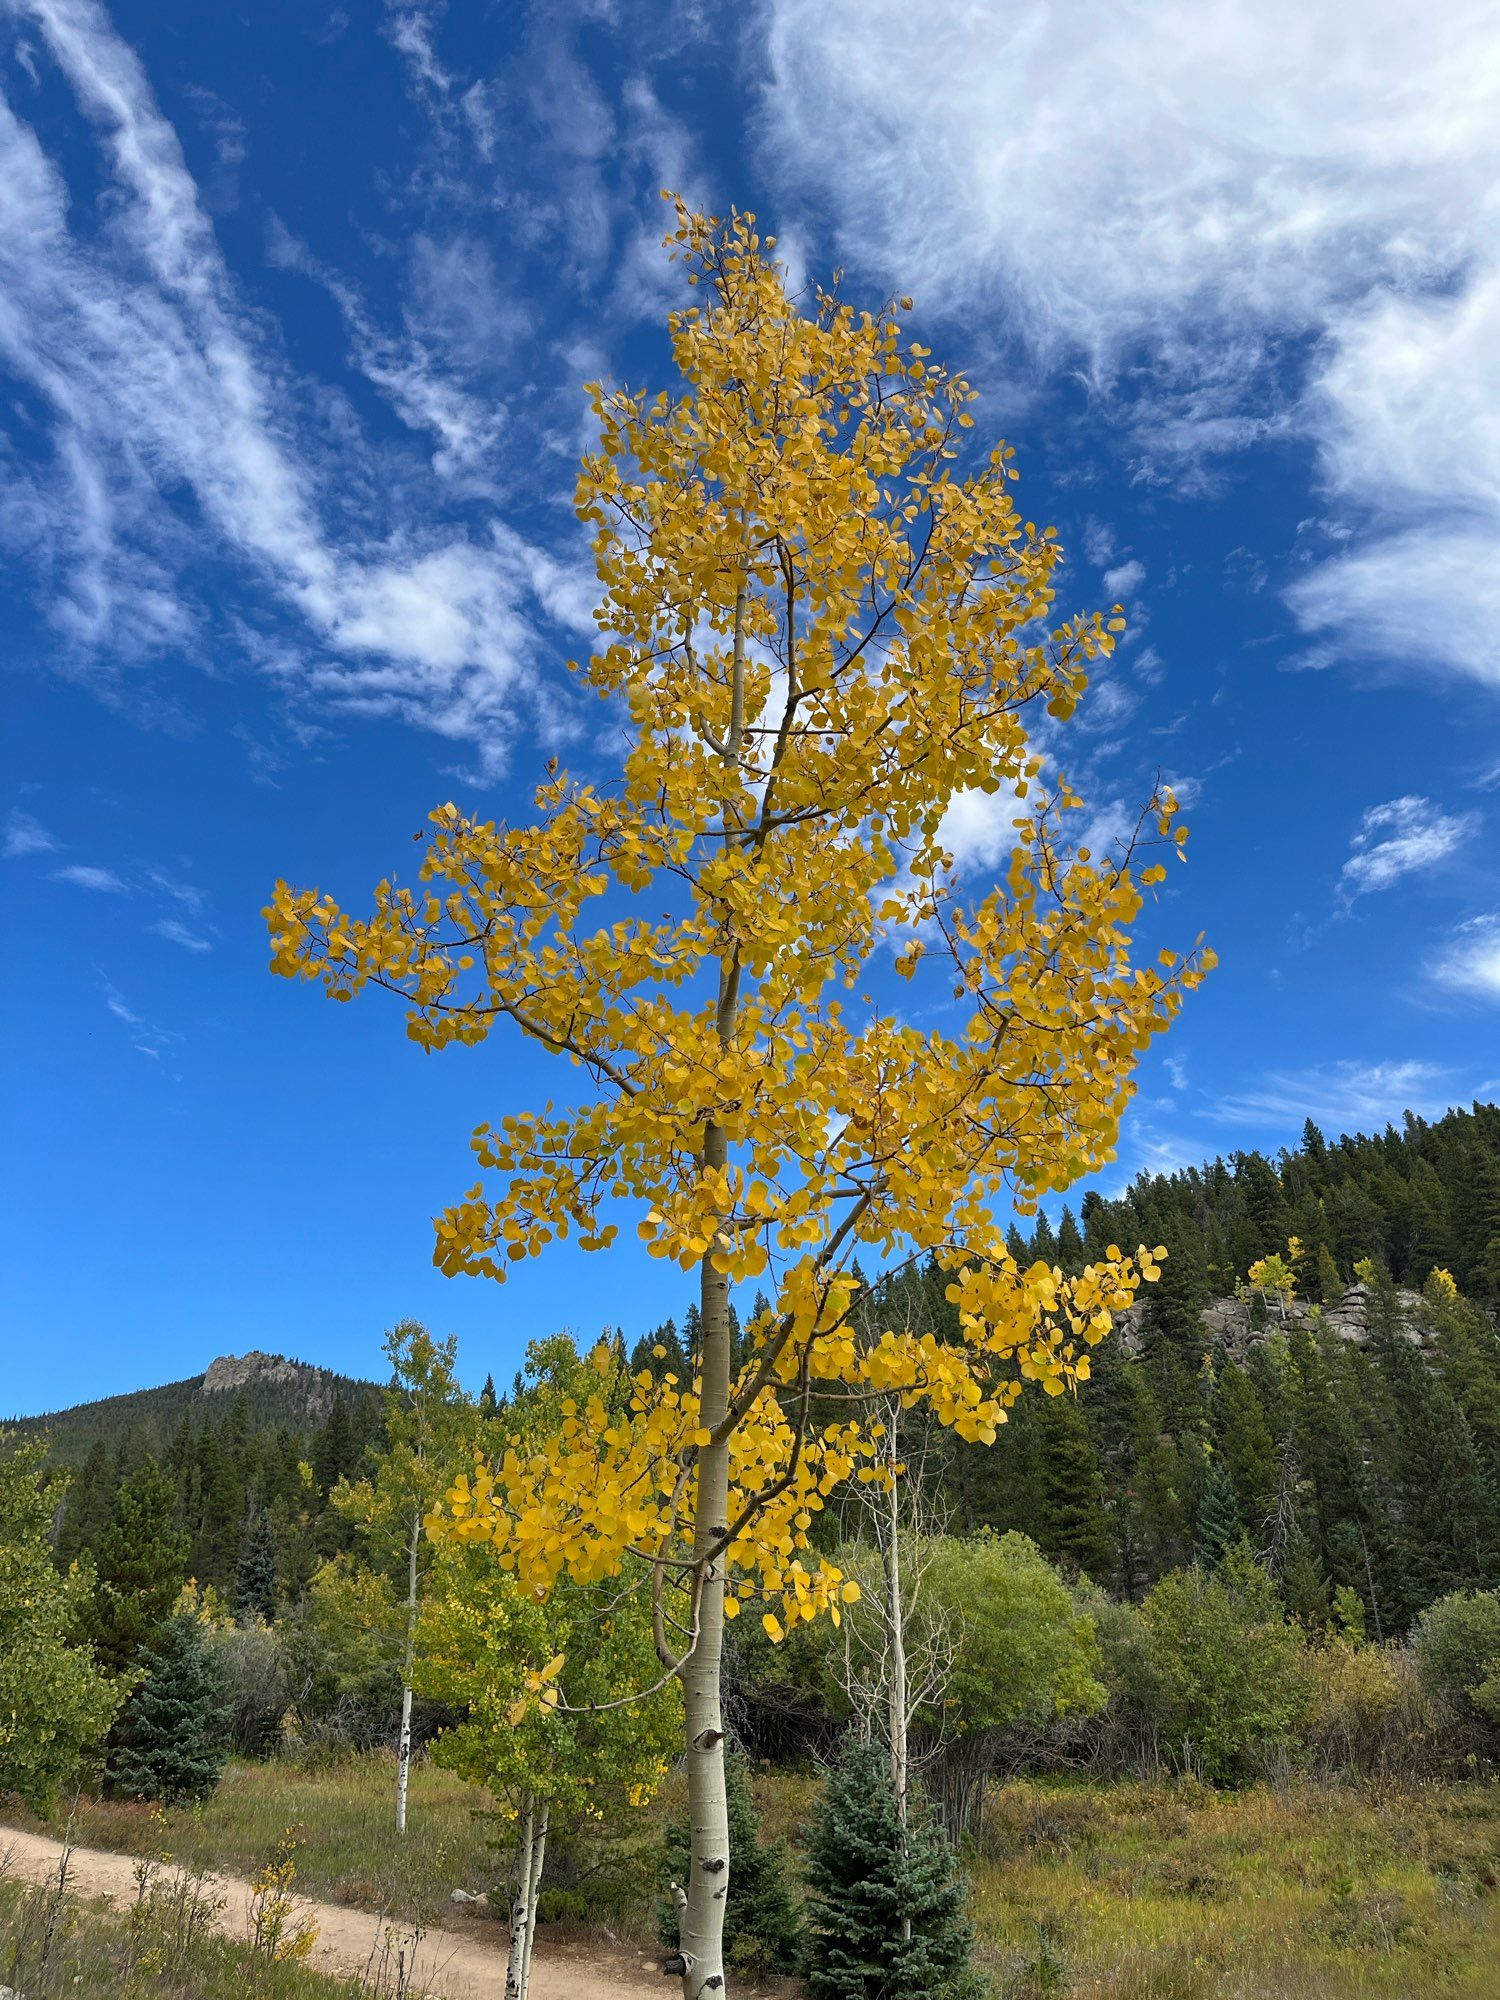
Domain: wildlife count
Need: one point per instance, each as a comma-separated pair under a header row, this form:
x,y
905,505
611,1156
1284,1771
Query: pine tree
x,y
87,1509
1219,1526
489,1402
762,1933
1243,1440
1074,1528
172,1741
255,1580
885,1911
333,1449
140,1565
1070,1252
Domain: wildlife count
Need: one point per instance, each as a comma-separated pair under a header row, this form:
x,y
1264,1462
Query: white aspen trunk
x,y
896,1647
700,1929
520,1910
408,1658
534,1896
701,1901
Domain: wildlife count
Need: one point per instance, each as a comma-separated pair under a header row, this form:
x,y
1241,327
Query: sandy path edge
x,y
449,1965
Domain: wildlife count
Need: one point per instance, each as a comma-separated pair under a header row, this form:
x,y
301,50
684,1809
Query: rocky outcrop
x,y
1242,1323
238,1371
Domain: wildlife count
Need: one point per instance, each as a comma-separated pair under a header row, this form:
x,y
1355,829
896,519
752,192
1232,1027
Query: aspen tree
x,y
823,625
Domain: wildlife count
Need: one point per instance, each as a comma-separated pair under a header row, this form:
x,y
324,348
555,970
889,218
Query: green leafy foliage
x,y
55,1703
1226,1664
1458,1646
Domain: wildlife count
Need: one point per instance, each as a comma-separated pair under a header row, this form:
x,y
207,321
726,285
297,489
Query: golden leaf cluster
x,y
822,622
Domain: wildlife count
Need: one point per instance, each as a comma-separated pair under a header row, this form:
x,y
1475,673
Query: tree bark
x,y
700,1930
520,1910
701,1902
408,1660
534,1895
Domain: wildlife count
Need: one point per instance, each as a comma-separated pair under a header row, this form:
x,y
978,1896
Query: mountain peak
x,y
236,1371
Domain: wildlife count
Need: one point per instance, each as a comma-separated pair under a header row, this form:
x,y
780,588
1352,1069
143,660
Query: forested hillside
x,y
256,1443
1351,1429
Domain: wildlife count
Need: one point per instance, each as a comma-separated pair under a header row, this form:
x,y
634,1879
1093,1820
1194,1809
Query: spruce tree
x,y
1074,1528
140,1565
762,1932
172,1741
1219,1526
88,1506
255,1582
885,1912
1242,1437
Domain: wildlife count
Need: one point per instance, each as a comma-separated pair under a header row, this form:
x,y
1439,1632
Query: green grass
x,y
48,1953
345,1812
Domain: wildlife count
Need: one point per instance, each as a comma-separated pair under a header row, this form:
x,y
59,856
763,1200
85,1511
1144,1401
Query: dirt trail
x,y
450,1964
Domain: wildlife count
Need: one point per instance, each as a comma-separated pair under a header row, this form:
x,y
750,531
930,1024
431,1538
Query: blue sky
x,y
296,302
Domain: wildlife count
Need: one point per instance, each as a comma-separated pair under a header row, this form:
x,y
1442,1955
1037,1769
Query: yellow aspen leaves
x,y
824,621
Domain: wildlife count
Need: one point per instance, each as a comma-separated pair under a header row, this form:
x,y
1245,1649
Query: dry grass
x,y
1132,1892
1103,1892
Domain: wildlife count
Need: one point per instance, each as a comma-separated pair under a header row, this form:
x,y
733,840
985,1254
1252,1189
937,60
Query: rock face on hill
x,y
270,1389
1241,1325
238,1371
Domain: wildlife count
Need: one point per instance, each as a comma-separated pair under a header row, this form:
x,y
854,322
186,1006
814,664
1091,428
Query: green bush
x,y
55,1703
1458,1649
1229,1672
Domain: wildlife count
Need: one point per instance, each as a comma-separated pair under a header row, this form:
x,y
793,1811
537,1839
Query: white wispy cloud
x,y
1253,170
177,933
1340,1097
188,894
154,379
1399,838
1125,580
103,881
26,835
145,1036
1469,962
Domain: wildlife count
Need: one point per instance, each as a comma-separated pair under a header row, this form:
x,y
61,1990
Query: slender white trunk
x,y
897,1709
701,1908
896,1636
534,1896
408,1658
701,1901
520,1910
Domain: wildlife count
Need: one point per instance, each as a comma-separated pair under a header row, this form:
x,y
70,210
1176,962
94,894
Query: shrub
x,y
256,1692
1368,1714
1025,1658
1229,1669
55,1704
1458,1648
